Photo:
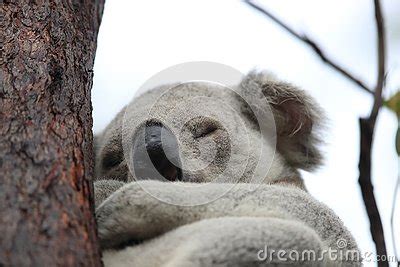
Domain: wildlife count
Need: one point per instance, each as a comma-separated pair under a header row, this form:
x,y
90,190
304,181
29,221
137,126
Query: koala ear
x,y
297,117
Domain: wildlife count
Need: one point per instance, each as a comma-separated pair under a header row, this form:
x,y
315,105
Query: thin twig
x,y
381,51
304,38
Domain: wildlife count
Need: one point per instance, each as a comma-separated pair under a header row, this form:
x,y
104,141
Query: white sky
x,y
140,38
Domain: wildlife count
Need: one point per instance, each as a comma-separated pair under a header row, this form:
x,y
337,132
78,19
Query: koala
x,y
197,174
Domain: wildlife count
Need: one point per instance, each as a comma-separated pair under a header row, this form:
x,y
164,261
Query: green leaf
x,y
394,103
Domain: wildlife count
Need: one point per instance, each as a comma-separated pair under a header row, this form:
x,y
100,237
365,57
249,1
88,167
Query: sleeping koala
x,y
196,174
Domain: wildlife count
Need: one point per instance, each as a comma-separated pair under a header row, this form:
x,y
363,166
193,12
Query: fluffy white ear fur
x,y
229,231
297,116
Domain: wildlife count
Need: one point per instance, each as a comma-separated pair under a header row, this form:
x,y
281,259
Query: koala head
x,y
203,132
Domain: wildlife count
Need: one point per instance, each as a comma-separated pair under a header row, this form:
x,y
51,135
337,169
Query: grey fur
x,y
230,230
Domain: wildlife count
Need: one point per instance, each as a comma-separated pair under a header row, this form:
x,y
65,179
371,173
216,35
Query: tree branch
x,y
367,188
303,38
381,60
367,126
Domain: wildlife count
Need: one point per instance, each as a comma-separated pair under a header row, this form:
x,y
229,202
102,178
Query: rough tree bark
x,y
46,57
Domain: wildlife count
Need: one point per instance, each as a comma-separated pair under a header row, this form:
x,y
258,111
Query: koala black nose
x,y
156,153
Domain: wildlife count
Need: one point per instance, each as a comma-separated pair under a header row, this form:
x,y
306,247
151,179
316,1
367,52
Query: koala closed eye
x,y
210,129
111,159
202,127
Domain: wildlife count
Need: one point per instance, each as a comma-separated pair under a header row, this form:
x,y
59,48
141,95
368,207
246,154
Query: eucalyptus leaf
x,y
394,103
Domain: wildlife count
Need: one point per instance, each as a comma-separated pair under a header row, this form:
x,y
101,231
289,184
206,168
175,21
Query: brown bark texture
x,y
47,52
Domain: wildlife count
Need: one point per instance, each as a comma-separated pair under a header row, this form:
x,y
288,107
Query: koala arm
x,y
225,241
132,214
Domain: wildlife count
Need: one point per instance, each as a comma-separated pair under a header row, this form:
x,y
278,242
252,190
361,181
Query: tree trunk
x,y
47,51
